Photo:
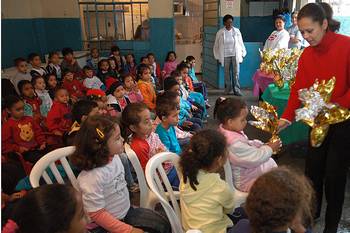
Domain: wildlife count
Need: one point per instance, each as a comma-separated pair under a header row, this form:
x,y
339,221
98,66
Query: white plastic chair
x,y
239,197
155,171
147,198
48,161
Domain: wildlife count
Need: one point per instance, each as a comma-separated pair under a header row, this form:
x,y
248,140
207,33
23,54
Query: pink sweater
x,y
249,159
169,66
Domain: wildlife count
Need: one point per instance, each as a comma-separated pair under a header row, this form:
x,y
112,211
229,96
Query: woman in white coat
x,y
229,50
279,38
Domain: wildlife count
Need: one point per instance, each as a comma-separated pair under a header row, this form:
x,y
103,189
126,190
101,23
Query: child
x,y
105,74
91,81
59,119
120,60
45,202
278,200
75,88
69,62
116,97
145,85
32,103
113,67
51,84
197,85
137,118
94,59
205,198
102,184
21,133
156,67
35,61
131,89
54,65
100,98
170,64
131,66
168,112
249,158
39,85
21,74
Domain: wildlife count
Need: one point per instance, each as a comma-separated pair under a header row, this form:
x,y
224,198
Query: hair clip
x,y
100,133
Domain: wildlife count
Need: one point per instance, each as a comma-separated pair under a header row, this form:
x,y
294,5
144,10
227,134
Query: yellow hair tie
x,y
100,133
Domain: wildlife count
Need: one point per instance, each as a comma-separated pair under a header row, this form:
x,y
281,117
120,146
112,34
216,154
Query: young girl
x,y
156,67
75,88
51,84
197,85
205,198
137,118
39,86
102,184
131,89
131,66
91,81
278,200
100,98
32,103
54,65
146,88
94,59
113,65
116,97
170,64
119,59
105,74
249,158
45,202
21,133
35,60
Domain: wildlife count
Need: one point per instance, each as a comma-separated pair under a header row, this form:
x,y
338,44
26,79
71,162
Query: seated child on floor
x,y
37,70
54,66
116,97
21,73
94,59
131,89
100,98
205,198
102,184
137,119
91,81
146,87
51,84
21,133
197,85
39,85
69,62
249,158
74,87
105,73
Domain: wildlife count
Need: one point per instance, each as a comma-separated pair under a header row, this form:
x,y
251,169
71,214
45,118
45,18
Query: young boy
x,y
54,65
75,88
21,133
21,74
91,81
59,118
69,63
35,61
94,59
117,98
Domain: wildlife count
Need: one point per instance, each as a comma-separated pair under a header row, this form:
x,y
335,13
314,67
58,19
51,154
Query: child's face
x,y
102,106
105,66
176,88
28,91
116,53
69,77
17,110
129,58
55,59
40,84
68,57
22,67
89,73
115,142
151,59
238,123
193,63
94,53
119,92
172,118
93,112
112,64
129,82
36,62
79,221
172,57
144,128
145,61
146,75
179,79
62,96
52,81
184,72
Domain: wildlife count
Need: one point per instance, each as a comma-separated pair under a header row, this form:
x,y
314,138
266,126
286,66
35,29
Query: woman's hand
x,y
282,124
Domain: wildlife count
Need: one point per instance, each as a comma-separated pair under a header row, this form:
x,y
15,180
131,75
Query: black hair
x,y
48,208
140,69
205,148
182,66
35,78
228,108
92,49
281,17
115,48
190,58
86,68
165,103
169,83
175,73
227,17
99,64
59,88
333,24
31,56
66,51
18,60
11,100
47,77
142,58
168,55
82,108
52,53
21,84
130,116
65,72
125,75
150,54
113,87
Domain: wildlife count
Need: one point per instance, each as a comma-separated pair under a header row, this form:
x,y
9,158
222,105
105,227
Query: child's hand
x,y
137,230
57,133
43,146
275,145
22,149
187,124
74,99
194,108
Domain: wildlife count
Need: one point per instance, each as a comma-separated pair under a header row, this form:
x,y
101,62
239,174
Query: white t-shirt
x,y
105,187
277,40
229,43
92,83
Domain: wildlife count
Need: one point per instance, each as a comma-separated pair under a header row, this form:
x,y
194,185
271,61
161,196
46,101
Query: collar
x,y
229,132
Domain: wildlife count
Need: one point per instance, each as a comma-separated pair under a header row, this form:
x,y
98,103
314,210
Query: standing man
x,y
229,50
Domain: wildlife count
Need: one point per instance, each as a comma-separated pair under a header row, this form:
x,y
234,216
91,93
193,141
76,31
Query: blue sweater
x,y
168,138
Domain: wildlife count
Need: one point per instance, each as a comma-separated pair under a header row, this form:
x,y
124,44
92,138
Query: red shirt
x,y
35,103
330,58
189,83
74,88
59,117
23,132
142,150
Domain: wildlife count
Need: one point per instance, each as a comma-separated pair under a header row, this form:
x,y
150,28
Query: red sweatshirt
x,y
330,58
35,103
142,150
59,117
74,88
23,132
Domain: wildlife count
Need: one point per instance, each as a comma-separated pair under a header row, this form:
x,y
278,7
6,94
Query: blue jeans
x,y
126,164
173,178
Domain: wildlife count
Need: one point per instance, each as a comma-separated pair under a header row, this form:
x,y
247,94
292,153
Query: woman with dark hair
x,y
280,37
327,56
296,38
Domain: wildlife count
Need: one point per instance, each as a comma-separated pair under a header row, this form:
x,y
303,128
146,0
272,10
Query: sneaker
x,y
134,188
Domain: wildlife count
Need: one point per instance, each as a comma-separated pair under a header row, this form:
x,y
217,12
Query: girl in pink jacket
x,y
249,159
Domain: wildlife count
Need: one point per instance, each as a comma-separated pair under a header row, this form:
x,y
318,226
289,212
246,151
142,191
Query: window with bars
x,y
105,21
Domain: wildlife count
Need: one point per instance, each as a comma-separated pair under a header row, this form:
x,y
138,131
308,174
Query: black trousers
x,y
327,166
